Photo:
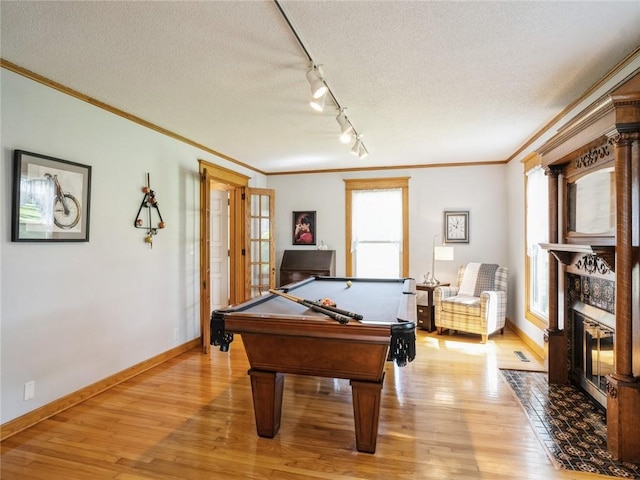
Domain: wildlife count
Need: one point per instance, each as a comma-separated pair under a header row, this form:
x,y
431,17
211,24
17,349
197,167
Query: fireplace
x,y
594,270
591,326
592,345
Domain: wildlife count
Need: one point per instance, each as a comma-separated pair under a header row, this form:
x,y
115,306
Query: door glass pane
x,y
264,274
264,228
264,252
255,205
255,275
255,251
264,204
255,228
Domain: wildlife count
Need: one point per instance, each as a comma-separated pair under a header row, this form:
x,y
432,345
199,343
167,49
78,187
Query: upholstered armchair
x,y
478,304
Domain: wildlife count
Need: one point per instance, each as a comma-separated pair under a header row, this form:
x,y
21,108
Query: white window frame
x,y
536,232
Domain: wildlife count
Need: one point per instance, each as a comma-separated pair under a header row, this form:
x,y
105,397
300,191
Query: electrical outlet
x,y
29,390
175,334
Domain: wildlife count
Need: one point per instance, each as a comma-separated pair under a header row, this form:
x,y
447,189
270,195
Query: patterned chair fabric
x,y
478,304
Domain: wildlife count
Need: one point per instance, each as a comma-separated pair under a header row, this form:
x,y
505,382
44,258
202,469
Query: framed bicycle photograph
x,y
50,199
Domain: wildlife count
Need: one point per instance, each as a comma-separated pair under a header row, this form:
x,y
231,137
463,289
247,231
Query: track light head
x,y
346,129
318,103
346,137
355,149
316,81
358,148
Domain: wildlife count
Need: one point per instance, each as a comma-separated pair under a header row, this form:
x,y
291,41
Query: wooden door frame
x,y
237,274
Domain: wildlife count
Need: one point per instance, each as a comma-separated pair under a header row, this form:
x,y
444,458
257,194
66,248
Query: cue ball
x,y
349,283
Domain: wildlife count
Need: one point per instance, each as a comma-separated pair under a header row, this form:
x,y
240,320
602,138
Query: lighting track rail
x,y
320,89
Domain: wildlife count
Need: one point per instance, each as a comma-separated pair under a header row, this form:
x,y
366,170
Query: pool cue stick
x,y
316,308
313,306
353,315
347,313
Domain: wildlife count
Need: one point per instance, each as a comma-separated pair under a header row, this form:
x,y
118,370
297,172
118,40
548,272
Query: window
x,y
377,228
537,231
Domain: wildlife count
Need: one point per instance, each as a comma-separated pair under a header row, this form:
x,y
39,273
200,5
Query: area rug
x,y
571,426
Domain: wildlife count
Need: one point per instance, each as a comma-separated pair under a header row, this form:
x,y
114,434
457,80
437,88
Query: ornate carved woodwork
x,y
606,137
592,156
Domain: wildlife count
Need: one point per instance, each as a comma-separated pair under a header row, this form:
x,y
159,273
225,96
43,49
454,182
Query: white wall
x,y
74,313
480,189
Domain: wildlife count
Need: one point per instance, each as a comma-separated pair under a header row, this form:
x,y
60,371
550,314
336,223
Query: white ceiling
x,y
425,82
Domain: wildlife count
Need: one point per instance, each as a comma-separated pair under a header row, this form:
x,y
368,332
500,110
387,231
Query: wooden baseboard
x,y
46,411
537,349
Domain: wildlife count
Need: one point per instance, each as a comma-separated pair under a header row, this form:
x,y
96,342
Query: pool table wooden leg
x,y
366,411
267,390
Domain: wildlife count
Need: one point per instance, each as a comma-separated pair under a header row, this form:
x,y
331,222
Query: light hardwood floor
x,y
447,415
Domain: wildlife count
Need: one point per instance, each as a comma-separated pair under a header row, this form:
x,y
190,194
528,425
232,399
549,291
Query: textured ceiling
x,y
425,82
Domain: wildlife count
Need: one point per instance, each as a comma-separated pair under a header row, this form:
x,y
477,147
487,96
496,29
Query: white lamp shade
x,y
362,152
443,253
318,103
356,147
318,87
345,127
346,137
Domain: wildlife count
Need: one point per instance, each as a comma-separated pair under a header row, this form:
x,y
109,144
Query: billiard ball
x,y
327,302
349,283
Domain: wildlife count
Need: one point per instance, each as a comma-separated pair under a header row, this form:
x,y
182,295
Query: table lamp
x,y
441,253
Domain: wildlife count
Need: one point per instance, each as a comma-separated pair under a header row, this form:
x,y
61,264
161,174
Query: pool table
x,y
282,336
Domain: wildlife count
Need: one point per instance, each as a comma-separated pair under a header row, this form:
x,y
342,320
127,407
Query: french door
x,y
262,271
237,252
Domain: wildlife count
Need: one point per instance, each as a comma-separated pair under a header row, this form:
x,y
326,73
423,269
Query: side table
x,y
426,313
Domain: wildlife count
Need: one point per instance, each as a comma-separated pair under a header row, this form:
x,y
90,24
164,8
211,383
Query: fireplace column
x,y
556,338
623,389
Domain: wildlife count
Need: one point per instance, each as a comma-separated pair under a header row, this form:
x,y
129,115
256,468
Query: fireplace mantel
x,y
564,252
604,135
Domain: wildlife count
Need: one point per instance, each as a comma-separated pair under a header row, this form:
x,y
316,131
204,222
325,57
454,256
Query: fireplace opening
x,y
593,349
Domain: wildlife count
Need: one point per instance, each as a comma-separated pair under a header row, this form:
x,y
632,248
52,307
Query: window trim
x,y
377,184
530,162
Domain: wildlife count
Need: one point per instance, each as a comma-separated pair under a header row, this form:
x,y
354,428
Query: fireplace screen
x,y
593,352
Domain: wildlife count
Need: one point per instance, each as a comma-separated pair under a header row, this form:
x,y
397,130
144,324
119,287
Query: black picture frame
x,y
51,199
304,228
456,226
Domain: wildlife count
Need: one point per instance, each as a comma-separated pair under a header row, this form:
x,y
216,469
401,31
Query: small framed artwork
x,y
304,228
50,199
456,226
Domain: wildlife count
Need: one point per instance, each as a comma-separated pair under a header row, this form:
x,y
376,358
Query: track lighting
x,y
318,103
358,148
316,81
346,129
319,91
